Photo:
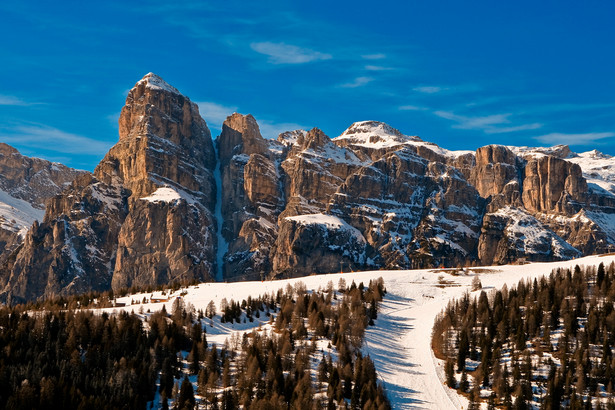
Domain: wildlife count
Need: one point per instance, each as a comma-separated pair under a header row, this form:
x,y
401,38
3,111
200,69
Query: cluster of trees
x,y
276,370
546,342
76,359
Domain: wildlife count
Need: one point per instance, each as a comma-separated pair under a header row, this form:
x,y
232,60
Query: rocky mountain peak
x,y
240,134
155,82
375,133
559,151
163,140
155,108
314,139
493,154
291,138
6,149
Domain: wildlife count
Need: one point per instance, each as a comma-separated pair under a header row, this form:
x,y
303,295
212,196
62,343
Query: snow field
x,y
400,342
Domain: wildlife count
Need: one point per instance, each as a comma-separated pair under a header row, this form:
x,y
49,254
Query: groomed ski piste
x,y
400,341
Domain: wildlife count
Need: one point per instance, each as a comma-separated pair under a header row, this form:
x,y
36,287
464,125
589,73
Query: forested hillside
x,y
546,343
307,356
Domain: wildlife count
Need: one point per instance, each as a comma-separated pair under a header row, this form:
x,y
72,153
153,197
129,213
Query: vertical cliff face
x,y
553,184
252,196
144,218
302,204
26,184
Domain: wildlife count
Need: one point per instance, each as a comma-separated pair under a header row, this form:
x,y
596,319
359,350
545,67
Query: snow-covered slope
x,y
400,341
17,215
598,169
375,135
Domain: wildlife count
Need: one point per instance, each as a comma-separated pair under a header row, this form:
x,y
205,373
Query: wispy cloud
x,y
376,56
523,127
574,139
12,100
412,108
426,89
490,124
215,113
53,139
378,68
281,53
357,82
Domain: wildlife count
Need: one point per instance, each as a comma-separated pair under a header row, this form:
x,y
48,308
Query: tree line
x,y
311,358
545,343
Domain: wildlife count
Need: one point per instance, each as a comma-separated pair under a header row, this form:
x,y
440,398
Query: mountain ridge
x,y
147,214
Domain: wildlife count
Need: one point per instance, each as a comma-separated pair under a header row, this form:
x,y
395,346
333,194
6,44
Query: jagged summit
x,y
375,134
560,151
154,213
155,82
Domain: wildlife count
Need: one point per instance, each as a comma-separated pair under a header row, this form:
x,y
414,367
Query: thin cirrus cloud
x,y
375,56
13,101
53,139
574,139
490,124
412,108
428,89
378,68
282,53
357,82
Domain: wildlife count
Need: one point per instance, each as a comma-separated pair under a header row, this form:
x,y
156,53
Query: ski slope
x,y
399,343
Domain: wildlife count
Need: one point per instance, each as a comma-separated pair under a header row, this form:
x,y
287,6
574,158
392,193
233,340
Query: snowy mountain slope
x,y
400,341
17,215
377,137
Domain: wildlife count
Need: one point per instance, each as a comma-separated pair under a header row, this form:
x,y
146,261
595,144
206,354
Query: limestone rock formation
x,y
302,204
26,184
252,196
144,218
318,243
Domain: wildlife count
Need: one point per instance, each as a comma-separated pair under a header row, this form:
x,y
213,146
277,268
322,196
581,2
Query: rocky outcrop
x,y
72,250
252,196
552,184
316,243
33,180
26,184
144,218
314,170
303,204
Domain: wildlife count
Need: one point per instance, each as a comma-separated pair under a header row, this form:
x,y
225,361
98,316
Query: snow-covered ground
x,y
400,341
17,215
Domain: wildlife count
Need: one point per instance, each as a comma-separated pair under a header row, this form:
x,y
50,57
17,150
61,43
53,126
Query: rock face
x,y
143,218
26,184
302,204
252,196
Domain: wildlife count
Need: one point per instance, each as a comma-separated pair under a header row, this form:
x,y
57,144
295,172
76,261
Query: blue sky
x,y
460,74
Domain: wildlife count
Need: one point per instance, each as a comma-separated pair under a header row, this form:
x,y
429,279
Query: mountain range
x,y
169,204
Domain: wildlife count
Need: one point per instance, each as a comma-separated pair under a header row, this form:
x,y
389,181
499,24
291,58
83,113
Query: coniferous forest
x,y
309,358
546,343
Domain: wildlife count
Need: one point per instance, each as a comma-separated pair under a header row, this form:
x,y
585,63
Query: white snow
x,y
163,194
329,221
400,341
604,221
598,169
531,234
17,215
378,135
154,82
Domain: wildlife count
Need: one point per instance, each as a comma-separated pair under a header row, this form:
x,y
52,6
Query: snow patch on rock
x,y
329,221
